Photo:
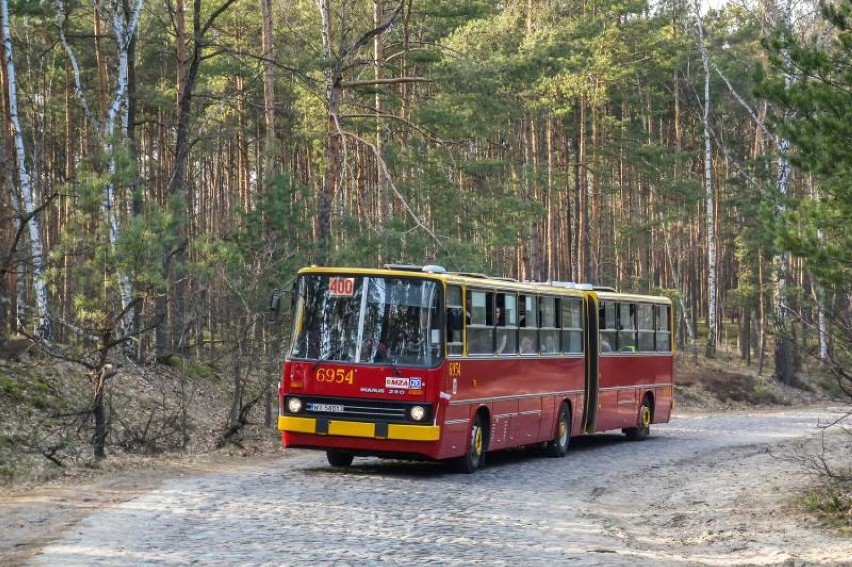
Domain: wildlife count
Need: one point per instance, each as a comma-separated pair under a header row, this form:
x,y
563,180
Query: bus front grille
x,y
380,411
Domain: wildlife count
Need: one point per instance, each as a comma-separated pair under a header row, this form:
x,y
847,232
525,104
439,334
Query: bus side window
x,y
480,332
645,313
608,326
507,323
626,327
455,321
572,325
529,324
549,330
663,332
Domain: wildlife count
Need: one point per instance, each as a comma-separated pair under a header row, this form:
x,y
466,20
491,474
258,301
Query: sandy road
x,y
704,490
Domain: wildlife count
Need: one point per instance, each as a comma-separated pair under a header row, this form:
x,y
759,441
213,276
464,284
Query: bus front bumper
x,y
318,426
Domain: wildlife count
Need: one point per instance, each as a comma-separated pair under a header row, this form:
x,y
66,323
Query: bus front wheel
x,y
475,454
643,422
558,446
339,458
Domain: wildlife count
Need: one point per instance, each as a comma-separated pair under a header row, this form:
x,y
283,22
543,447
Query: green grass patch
x,y
832,504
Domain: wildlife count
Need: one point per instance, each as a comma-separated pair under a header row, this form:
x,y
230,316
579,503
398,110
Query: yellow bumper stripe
x,y
360,429
414,432
351,428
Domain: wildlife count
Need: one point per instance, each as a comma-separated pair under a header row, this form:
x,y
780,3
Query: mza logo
x,y
394,382
403,383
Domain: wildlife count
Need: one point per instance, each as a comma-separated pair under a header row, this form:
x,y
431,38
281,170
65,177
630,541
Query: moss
x,y
191,368
199,370
35,391
764,395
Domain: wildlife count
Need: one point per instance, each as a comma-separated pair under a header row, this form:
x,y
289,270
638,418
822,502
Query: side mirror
x,y
274,306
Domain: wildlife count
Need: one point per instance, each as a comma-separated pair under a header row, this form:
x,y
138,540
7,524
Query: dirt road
x,y
704,490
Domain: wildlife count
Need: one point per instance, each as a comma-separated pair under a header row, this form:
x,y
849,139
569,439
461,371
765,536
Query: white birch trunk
x,y
43,329
709,196
124,27
781,261
822,322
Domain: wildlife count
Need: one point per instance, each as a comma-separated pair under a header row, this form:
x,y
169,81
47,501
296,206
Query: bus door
x,y
592,367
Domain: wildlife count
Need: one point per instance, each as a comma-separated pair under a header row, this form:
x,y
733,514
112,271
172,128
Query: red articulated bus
x,y
416,362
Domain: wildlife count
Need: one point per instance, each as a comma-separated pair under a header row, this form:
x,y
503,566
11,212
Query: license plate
x,y
327,408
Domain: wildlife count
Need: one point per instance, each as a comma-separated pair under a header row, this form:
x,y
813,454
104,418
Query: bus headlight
x,y
417,413
294,405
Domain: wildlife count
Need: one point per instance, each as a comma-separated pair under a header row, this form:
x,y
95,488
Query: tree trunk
x,y
43,328
709,199
333,92
270,150
175,259
781,262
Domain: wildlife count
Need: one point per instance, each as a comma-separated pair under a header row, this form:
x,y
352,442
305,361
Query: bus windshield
x,y
365,319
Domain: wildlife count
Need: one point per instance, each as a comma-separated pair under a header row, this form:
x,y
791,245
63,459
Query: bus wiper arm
x,y
321,360
392,363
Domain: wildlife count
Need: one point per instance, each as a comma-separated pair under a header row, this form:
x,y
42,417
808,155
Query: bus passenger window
x,y
663,334
529,324
626,327
549,331
480,332
646,327
455,321
572,325
507,323
608,326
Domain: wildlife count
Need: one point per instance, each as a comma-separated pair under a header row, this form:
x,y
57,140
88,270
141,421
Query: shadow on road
x,y
373,466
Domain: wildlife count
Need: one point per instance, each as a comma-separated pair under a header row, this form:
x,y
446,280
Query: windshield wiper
x,y
392,360
322,359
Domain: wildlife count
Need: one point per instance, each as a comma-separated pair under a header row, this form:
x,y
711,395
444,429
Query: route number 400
x,y
341,287
336,376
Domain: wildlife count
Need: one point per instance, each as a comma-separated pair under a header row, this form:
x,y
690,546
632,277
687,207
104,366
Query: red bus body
x,y
360,409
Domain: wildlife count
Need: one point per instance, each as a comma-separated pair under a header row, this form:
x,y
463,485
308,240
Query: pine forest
x,y
166,165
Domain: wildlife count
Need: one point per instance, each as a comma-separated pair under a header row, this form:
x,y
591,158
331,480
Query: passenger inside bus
x,y
527,345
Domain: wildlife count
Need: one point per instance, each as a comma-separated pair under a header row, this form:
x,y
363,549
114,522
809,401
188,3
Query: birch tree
x,y
102,326
709,197
781,261
125,20
43,328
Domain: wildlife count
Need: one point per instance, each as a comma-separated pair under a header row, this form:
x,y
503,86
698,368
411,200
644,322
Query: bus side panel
x,y
612,376
455,429
503,413
665,396
625,378
526,430
549,407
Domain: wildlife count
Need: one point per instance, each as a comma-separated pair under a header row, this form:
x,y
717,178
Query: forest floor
x,y
35,511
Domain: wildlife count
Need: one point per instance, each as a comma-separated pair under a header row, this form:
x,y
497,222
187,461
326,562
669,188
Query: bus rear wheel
x,y
558,446
643,422
475,454
339,458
